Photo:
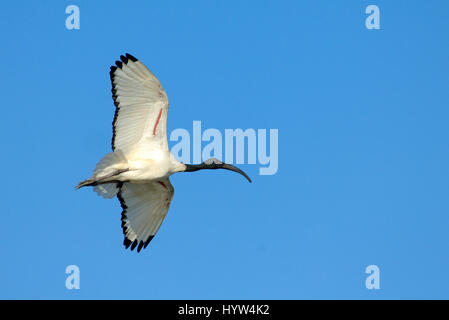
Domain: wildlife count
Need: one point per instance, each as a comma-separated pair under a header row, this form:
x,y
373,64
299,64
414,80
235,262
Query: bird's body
x,y
158,166
138,169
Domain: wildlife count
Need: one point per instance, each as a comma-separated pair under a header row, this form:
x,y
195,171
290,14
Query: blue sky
x,y
363,149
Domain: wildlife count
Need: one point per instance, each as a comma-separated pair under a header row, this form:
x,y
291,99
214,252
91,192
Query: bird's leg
x,y
94,181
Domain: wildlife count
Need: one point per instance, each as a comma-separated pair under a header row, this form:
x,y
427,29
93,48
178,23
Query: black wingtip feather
x,y
141,243
148,241
124,59
134,245
119,64
127,243
130,57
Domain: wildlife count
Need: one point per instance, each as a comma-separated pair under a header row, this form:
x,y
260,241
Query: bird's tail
x,y
104,179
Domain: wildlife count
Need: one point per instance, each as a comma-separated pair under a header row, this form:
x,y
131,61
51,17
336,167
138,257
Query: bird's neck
x,y
176,166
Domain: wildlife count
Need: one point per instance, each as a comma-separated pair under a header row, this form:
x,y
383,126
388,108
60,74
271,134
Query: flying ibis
x,y
137,170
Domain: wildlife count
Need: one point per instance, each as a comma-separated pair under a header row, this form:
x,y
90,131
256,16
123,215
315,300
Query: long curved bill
x,y
214,164
235,169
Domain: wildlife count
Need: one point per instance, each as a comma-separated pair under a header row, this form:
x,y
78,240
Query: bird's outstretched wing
x,y
140,121
144,208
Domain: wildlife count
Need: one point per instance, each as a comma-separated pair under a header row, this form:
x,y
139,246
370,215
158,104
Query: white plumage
x,y
138,169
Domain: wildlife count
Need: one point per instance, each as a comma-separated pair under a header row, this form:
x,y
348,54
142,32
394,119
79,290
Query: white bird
x,y
138,169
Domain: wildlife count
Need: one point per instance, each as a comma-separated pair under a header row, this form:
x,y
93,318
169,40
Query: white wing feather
x,y
139,129
140,122
144,208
